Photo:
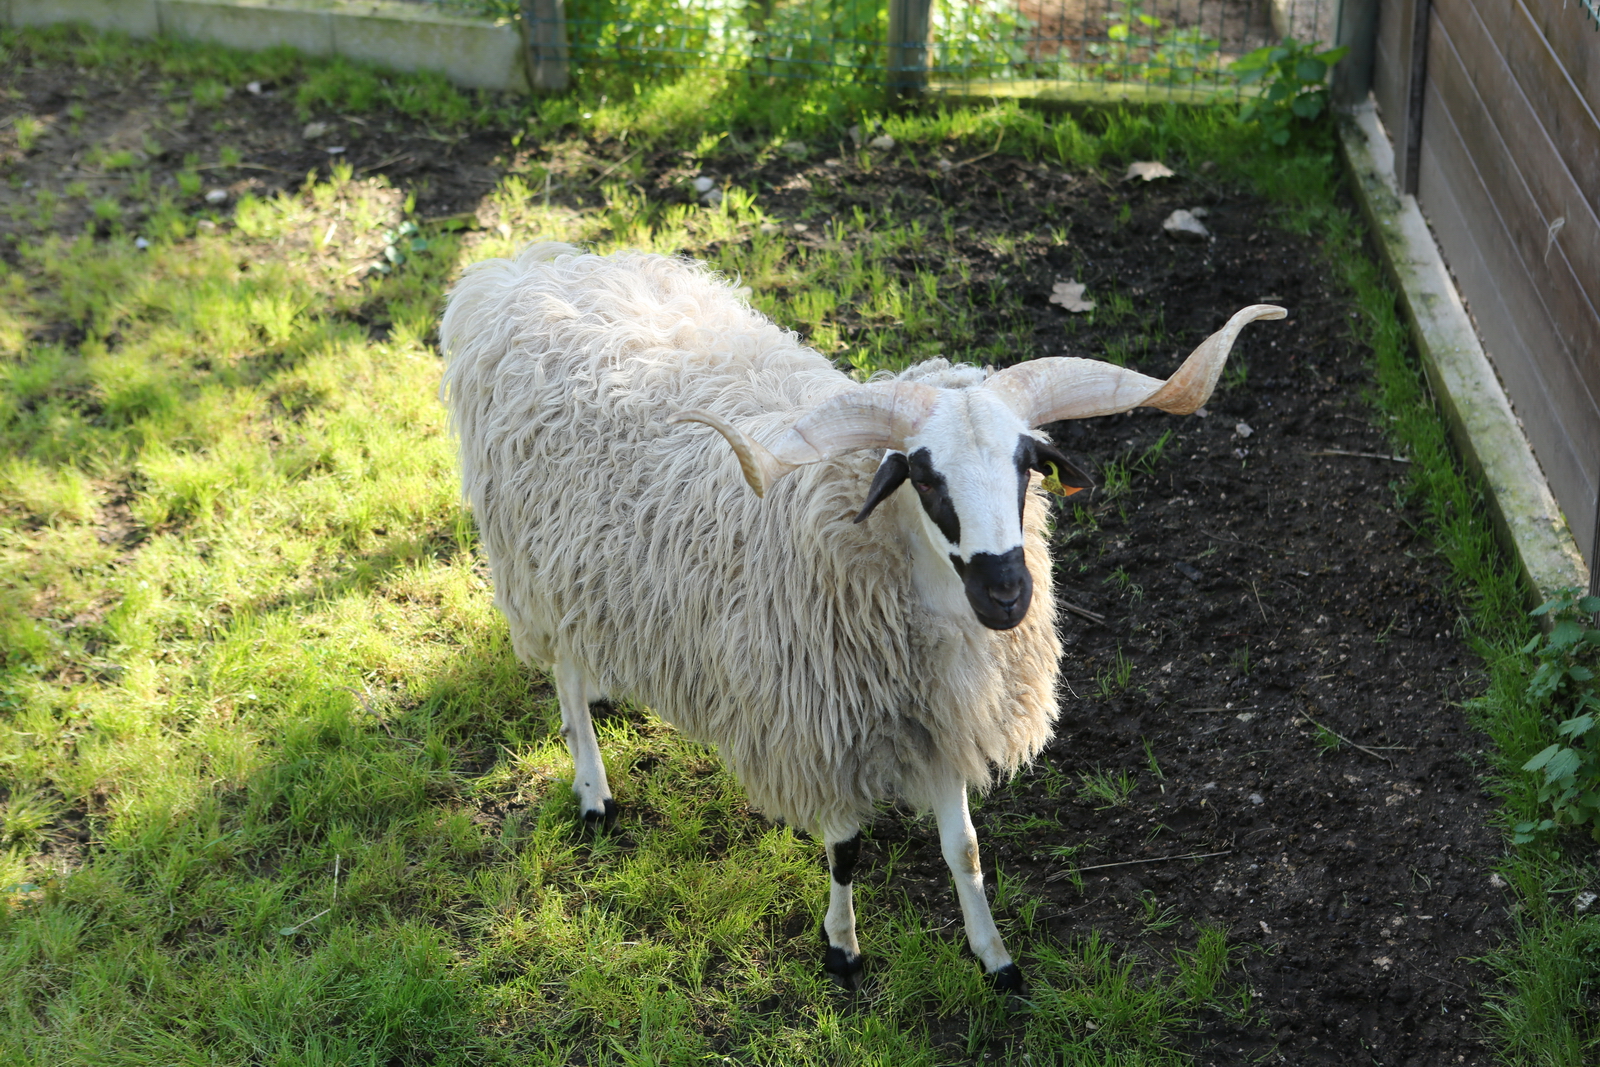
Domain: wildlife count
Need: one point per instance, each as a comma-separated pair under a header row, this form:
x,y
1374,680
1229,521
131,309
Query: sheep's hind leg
x,y
843,961
577,728
960,845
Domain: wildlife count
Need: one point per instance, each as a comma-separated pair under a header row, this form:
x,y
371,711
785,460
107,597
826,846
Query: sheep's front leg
x,y
577,728
843,960
960,844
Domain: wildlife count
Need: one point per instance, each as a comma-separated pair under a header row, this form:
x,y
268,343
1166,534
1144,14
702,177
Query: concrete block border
x,y
474,53
1485,430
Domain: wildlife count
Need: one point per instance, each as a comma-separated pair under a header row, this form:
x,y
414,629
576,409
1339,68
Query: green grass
x,y
272,785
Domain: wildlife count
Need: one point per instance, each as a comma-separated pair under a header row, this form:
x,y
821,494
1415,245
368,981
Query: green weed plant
x,y
1565,682
1294,79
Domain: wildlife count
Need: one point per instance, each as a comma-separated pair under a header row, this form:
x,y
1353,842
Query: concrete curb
x,y
474,53
1485,430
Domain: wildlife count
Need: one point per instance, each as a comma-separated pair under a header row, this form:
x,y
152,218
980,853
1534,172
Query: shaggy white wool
x,y
776,629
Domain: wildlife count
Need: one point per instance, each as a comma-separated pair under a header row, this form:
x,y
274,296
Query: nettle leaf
x,y
1579,674
1311,70
1563,765
1590,605
1542,758
1576,727
1307,105
1565,634
1545,680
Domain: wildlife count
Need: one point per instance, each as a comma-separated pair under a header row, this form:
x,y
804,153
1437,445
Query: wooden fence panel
x,y
1506,140
1391,71
1533,188
1456,223
1565,111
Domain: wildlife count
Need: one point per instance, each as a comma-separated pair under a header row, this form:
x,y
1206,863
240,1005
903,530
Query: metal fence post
x,y
910,27
544,29
1355,25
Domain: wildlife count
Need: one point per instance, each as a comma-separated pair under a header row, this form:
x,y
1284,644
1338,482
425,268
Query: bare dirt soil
x,y
1258,588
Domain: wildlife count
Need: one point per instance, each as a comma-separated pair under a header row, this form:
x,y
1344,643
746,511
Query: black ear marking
x,y
891,473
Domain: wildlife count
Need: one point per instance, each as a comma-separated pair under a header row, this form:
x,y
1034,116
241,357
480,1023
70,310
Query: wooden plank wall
x,y
1508,176
1391,68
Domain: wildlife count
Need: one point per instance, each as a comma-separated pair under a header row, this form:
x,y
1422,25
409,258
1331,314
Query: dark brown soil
x,y
1262,580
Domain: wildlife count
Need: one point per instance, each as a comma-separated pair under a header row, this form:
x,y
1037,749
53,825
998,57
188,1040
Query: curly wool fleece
x,y
794,640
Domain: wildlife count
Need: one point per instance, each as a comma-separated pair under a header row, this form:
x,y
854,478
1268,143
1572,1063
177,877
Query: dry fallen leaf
x,y
1184,226
1149,171
1070,296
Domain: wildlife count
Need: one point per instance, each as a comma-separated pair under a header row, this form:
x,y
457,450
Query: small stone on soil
x,y
1070,296
1183,225
1149,170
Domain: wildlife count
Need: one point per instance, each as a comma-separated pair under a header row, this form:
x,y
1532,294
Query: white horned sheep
x,y
834,662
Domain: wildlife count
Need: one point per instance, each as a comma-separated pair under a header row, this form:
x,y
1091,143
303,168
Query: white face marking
x,y
971,438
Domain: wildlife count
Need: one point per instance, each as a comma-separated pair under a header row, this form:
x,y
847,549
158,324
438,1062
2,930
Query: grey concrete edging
x,y
1482,424
475,53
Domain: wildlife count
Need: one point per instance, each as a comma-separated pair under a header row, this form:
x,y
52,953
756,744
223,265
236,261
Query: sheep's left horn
x,y
877,415
761,468
1063,387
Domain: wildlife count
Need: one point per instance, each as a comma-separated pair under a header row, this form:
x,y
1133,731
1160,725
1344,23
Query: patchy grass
x,y
272,785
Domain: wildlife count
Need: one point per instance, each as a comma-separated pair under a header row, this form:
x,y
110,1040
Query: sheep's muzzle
x,y
998,587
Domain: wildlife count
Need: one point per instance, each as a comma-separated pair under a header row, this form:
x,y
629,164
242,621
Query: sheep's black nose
x,y
1006,597
999,588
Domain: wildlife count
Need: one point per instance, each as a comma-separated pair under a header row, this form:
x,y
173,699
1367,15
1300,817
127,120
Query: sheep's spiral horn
x,y
1063,387
878,415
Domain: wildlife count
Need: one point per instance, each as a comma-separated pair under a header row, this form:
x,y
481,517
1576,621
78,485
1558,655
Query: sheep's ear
x,y
894,469
1061,477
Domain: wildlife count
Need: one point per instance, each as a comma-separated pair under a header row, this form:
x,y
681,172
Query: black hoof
x,y
1008,979
843,967
596,821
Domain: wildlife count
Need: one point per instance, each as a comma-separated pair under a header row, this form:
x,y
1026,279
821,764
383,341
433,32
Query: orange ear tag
x,y
1052,483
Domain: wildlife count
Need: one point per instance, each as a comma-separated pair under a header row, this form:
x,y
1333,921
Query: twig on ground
x,y
607,172
1374,752
986,155
1359,455
1235,540
290,931
1129,863
1085,612
366,704
1202,711
384,163
244,166
1259,608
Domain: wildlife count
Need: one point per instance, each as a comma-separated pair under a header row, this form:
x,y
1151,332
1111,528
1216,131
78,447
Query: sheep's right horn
x,y
1063,387
877,415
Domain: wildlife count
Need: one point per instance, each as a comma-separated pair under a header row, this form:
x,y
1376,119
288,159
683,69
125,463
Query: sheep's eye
x,y
923,487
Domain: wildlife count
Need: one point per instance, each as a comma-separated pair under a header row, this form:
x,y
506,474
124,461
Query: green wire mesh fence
x,y
917,44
